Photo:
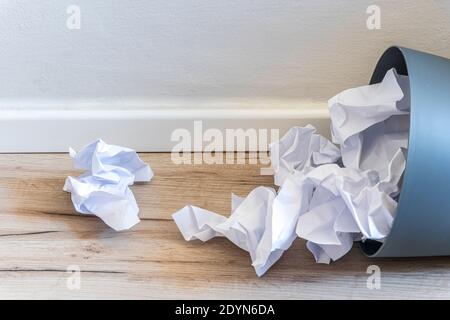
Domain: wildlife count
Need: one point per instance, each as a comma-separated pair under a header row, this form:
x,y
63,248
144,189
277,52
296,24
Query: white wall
x,y
198,53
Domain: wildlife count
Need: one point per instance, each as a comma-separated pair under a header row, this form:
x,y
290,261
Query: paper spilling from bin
x,y
328,196
103,190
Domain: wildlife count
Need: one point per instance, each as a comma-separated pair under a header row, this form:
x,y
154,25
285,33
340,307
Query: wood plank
x,y
41,236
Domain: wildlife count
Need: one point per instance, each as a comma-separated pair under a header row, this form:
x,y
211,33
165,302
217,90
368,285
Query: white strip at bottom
x,y
24,131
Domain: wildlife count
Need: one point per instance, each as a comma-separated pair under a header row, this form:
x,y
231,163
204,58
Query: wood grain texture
x,y
41,236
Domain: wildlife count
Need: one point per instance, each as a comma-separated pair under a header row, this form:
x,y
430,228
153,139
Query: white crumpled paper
x,y
371,123
103,190
300,150
263,223
329,196
348,205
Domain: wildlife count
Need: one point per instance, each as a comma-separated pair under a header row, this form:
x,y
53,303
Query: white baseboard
x,y
147,130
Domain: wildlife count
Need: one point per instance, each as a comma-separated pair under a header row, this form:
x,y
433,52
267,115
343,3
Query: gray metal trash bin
x,y
422,224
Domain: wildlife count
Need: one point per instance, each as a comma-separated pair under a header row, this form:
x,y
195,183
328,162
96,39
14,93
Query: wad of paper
x,y
103,190
329,195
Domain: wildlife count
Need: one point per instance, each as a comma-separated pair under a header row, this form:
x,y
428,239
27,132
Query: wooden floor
x,y
41,236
